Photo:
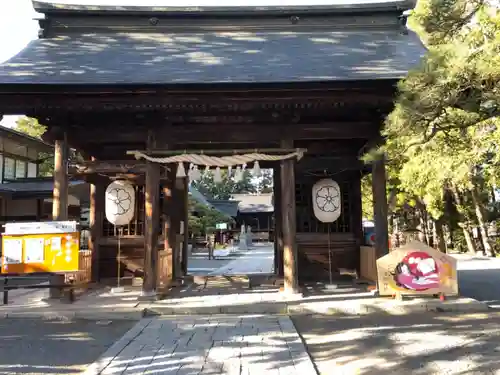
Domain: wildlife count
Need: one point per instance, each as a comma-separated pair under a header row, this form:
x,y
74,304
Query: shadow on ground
x,y
36,346
413,344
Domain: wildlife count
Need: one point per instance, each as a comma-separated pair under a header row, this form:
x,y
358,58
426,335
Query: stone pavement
x,y
199,264
258,260
39,346
213,345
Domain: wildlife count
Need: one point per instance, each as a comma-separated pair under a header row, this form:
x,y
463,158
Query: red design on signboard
x,y
417,271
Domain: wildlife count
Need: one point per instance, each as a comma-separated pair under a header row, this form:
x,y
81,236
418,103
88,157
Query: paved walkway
x,y
479,278
215,345
258,260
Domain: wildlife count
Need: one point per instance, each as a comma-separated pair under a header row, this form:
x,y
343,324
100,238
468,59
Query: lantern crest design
x,y
326,200
120,202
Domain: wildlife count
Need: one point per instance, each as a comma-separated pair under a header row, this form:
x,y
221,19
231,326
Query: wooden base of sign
x,y
401,296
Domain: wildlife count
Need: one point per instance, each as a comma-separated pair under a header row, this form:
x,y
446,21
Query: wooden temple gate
x,y
178,81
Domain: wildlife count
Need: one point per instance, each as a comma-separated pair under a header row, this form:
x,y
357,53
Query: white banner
x,y
44,227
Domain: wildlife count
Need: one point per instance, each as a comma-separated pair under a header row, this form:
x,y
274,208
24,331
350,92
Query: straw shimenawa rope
x,y
216,161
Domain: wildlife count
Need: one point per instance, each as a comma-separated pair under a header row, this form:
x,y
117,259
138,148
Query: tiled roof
x,y
253,203
31,188
215,57
230,208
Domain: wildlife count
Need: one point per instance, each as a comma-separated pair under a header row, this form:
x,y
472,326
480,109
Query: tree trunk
x,y
481,219
439,235
471,245
423,224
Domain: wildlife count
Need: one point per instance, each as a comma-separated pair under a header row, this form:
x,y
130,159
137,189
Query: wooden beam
x,y
12,101
136,168
60,194
233,133
151,229
108,167
289,226
380,208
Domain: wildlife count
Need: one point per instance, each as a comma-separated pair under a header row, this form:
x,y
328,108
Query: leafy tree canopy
x,y
457,84
31,127
223,190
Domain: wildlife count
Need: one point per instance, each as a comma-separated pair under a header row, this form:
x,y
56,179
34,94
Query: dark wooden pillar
x,y
356,217
60,194
176,215
380,208
96,218
151,228
39,209
278,220
185,228
289,223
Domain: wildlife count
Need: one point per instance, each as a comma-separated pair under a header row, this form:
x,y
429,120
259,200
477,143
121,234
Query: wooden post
x,y
59,200
278,220
151,229
289,222
176,215
96,218
380,208
185,219
60,194
168,225
357,217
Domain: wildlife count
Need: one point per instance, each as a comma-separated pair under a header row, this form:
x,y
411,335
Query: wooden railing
x,y
84,266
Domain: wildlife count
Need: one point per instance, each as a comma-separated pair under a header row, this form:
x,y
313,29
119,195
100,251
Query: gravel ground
x,y
432,344
35,346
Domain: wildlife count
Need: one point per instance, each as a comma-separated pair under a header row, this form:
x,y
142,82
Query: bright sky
x,y
17,28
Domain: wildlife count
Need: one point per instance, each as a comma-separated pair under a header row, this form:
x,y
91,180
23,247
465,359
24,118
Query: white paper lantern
x,y
120,202
326,200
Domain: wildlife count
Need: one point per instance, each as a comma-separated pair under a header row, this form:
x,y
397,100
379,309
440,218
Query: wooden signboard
x,y
417,269
40,247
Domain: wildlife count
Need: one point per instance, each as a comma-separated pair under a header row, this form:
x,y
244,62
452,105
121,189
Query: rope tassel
x,y
181,171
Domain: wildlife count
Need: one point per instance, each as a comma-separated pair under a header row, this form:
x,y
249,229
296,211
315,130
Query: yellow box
x,y
30,253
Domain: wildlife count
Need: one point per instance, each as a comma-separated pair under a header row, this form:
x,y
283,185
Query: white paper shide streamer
x,y
326,200
120,202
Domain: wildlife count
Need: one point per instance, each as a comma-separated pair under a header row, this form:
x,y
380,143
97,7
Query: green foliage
x,y
227,187
31,127
265,182
443,133
456,86
367,197
202,219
